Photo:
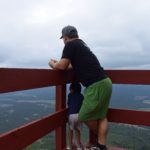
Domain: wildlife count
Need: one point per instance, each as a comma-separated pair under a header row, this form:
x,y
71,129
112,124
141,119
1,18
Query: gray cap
x,y
69,31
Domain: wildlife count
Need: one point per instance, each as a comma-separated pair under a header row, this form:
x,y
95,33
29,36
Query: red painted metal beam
x,y
129,76
61,104
22,79
133,117
23,136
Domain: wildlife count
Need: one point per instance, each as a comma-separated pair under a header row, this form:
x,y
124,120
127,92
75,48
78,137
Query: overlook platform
x,y
22,79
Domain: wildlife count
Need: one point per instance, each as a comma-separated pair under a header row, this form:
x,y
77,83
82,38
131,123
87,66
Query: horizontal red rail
x,y
21,137
129,76
23,79
133,117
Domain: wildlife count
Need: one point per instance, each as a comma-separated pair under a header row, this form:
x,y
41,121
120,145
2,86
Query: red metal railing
x,y
23,79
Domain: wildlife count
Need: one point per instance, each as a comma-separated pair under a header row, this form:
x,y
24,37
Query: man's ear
x,y
65,38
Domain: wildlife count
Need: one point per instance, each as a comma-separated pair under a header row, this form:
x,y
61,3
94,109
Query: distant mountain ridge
x,y
124,96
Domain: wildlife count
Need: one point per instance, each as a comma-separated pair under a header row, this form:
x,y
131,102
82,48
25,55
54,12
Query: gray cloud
x,y
118,32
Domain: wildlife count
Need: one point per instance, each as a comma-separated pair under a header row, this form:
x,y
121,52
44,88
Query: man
x,y
77,55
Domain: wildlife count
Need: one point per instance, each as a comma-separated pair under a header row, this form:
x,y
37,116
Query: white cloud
x,y
118,32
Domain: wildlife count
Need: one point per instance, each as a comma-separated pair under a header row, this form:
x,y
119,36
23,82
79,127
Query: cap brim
x,y
61,37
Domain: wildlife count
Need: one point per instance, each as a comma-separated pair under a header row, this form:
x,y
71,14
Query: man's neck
x,y
72,39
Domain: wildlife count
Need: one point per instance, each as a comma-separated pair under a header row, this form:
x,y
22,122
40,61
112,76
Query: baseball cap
x,y
69,31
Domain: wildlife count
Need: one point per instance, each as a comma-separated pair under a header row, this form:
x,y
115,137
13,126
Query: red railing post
x,y
60,104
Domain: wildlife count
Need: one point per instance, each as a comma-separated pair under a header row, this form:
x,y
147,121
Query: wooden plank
x,y
133,117
22,79
129,76
60,104
23,136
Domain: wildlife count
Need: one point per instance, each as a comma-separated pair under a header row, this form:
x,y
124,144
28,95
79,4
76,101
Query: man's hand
x,y
52,63
63,64
55,61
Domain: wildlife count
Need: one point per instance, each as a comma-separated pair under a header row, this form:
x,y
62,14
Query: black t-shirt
x,y
86,65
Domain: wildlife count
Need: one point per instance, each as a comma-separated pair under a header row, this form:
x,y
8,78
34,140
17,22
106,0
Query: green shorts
x,y
96,100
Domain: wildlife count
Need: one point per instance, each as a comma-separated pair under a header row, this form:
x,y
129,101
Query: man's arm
x,y
63,64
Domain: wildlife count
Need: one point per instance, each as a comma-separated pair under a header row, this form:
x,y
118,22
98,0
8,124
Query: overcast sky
x,y
117,31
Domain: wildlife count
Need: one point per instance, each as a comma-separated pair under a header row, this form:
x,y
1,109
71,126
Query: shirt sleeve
x,y
68,51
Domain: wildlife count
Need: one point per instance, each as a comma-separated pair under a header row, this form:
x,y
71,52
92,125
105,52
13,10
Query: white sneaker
x,y
70,147
79,147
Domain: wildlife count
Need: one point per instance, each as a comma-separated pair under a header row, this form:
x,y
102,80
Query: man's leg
x,y
102,131
99,128
93,125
